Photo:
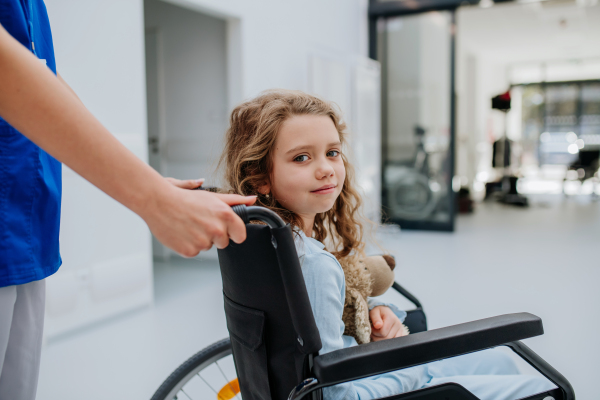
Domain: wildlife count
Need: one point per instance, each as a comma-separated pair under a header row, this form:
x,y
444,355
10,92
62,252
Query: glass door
x,y
416,53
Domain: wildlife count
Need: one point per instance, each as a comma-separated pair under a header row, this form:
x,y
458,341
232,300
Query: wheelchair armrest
x,y
423,347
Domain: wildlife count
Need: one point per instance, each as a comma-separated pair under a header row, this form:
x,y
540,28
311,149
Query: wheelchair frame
x,y
420,347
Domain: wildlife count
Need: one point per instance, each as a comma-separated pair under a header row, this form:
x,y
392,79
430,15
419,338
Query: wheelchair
x,y
274,343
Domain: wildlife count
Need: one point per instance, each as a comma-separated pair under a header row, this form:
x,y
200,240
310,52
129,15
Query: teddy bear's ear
x,y
390,260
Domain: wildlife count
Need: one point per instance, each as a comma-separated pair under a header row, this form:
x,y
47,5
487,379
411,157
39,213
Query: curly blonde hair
x,y
247,161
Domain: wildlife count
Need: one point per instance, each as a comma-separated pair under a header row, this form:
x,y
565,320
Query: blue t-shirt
x,y
30,179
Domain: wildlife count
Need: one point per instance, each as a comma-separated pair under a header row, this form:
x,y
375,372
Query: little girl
x,y
286,147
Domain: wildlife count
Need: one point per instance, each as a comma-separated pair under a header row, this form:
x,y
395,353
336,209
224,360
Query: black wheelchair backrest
x,y
270,322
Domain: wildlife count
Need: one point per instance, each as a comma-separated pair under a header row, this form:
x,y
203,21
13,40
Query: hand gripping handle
x,y
241,211
249,213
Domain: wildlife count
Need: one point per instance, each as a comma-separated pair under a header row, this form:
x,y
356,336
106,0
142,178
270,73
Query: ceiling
x,y
534,31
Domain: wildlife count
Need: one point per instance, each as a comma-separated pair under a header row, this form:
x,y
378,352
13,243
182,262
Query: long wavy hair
x,y
247,161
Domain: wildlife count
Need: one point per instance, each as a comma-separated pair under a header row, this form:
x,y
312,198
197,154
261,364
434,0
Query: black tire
x,y
171,386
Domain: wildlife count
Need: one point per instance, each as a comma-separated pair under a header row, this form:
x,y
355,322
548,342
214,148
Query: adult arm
x,y
60,78
41,107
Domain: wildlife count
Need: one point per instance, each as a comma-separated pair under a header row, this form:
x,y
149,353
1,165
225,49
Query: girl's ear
x,y
264,189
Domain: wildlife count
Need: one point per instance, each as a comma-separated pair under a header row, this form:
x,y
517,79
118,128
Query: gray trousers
x,y
21,328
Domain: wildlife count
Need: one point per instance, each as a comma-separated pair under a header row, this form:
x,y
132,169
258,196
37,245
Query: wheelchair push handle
x,y
249,213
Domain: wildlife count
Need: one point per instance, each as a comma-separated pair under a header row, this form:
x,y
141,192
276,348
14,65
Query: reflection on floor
x,y
543,260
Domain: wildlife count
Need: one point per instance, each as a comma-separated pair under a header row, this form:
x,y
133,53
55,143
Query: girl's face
x,y
308,171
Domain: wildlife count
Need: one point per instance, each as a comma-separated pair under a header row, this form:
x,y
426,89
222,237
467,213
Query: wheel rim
x,y
213,377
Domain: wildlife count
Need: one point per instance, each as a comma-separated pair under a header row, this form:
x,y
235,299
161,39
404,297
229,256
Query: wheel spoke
x,y
186,395
179,380
227,380
207,384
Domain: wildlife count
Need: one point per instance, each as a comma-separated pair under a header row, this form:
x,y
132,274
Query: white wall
x,y
277,37
187,79
365,129
105,248
193,68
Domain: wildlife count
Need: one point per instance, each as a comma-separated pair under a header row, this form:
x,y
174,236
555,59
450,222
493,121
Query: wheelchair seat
x,y
275,342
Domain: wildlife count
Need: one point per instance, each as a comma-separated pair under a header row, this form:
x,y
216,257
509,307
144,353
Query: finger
x,y
376,338
376,318
386,330
187,184
234,199
191,183
218,234
189,251
376,332
236,228
393,330
221,241
195,183
249,200
401,332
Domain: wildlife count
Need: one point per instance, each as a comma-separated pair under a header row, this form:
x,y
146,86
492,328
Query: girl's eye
x,y
301,158
333,153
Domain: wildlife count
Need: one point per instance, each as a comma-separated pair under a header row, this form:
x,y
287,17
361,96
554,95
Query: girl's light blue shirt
x,y
326,287
490,374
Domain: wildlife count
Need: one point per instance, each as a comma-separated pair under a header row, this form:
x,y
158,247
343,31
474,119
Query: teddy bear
x,y
371,276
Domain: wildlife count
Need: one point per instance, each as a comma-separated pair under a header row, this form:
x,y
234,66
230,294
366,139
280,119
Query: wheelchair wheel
x,y
210,373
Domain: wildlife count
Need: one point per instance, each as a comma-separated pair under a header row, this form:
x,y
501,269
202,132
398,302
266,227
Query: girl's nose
x,y
324,170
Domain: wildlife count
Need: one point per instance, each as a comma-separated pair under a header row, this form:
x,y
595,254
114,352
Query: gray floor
x,y
544,260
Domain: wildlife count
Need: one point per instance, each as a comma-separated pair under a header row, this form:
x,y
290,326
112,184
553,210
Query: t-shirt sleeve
x,y
325,285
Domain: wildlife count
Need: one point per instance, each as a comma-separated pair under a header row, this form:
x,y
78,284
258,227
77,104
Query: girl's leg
x,y
391,383
499,387
486,362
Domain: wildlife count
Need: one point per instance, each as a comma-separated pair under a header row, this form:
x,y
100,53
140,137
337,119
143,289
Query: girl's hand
x,y
385,324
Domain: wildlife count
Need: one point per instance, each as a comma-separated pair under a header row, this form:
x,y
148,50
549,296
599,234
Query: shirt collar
x,y
314,241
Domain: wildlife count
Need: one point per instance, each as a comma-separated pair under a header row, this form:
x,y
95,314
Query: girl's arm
x,y
325,285
44,109
324,281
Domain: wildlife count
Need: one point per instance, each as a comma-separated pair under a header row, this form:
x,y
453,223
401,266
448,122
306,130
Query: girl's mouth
x,y
325,189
